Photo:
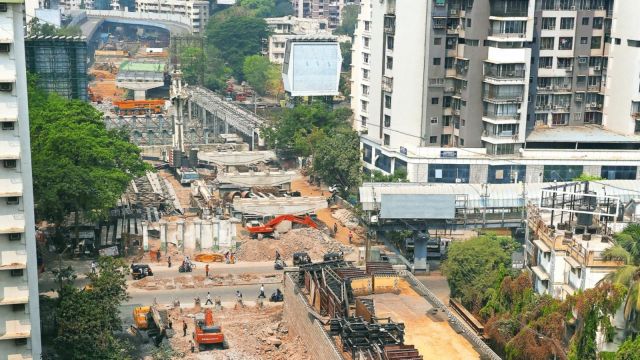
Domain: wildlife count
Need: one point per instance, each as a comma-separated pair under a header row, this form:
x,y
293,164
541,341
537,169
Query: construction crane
x,y
269,228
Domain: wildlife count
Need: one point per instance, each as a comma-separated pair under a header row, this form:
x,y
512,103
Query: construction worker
x,y
238,295
206,270
261,291
277,255
184,328
94,266
335,228
208,299
158,256
350,236
193,346
169,261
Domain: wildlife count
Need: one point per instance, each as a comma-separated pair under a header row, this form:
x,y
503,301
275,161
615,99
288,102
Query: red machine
x,y
207,333
269,227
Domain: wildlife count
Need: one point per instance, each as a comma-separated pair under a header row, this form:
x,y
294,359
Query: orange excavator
x,y
269,228
138,107
206,332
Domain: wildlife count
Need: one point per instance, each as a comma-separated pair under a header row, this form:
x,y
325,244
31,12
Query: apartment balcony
x,y
495,35
387,84
494,118
561,107
13,259
502,98
15,329
9,150
635,115
390,24
505,137
505,77
593,106
10,224
10,295
10,187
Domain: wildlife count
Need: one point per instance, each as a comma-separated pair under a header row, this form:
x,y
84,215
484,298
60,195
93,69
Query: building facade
x,y
288,27
19,307
499,81
60,64
330,10
196,10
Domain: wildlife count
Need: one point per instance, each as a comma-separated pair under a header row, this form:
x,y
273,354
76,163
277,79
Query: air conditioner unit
x,y
364,131
5,47
453,12
596,68
578,97
582,60
573,8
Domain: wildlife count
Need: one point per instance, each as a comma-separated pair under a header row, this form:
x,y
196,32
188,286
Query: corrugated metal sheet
x,y
432,206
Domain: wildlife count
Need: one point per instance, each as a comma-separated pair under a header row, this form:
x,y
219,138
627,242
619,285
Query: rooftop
x,y
586,133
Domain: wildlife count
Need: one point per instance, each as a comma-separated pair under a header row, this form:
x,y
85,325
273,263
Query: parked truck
x,y
186,175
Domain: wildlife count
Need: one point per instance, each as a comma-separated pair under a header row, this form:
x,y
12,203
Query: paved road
x,y
226,293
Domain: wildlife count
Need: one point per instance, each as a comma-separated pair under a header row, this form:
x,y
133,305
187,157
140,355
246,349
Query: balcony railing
x,y
502,97
505,75
501,116
504,35
387,84
500,135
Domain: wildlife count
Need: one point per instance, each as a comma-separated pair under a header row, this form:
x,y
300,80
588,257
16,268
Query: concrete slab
x,y
279,206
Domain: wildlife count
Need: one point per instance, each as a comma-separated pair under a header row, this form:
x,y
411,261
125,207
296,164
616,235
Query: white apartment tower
x,y
19,307
196,10
498,90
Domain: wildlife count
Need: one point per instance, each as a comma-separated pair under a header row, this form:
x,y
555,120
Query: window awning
x,y
572,262
541,245
540,274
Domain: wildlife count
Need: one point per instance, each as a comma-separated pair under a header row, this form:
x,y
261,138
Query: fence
x,y
477,341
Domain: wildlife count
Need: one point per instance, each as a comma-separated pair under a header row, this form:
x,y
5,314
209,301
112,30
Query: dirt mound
x,y
312,241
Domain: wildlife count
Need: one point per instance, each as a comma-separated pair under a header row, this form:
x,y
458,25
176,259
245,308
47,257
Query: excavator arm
x,y
270,226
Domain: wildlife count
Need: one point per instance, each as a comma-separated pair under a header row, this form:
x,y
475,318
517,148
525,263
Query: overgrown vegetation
x,y
35,27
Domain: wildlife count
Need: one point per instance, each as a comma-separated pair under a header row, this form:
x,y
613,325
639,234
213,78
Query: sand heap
x,y
312,241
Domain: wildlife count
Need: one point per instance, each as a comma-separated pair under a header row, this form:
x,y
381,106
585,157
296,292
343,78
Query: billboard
x,y
312,68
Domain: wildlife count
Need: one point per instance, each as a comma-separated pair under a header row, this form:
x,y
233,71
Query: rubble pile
x,y
346,218
312,241
251,333
199,281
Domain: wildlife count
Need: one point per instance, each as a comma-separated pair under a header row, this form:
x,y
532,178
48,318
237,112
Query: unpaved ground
x,y
199,281
252,334
311,241
182,192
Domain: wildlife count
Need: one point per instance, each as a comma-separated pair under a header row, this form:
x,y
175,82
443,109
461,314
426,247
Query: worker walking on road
x,y
184,328
208,299
206,270
261,291
93,267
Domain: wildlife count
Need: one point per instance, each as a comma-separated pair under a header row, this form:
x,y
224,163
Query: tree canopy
x,y
349,17
36,27
262,75
237,37
78,165
336,159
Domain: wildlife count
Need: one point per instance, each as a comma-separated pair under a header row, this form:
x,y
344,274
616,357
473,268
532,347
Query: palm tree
x,y
629,277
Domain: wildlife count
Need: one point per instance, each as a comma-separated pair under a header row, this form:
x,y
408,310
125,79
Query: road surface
x,y
227,294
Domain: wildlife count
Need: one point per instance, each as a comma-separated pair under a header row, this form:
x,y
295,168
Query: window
x,y
619,172
597,23
387,139
470,42
16,272
5,47
548,23
365,73
433,139
367,25
435,100
366,41
8,125
6,86
365,58
10,164
446,121
448,173
561,172
633,43
437,41
617,41
449,62
363,121
14,237
596,42
389,63
436,61
585,21
445,139
547,43
546,62
468,23
506,174
461,142
390,42
584,40
387,120
365,90
364,106
567,23
367,153
13,200
387,101
383,162
18,307
565,43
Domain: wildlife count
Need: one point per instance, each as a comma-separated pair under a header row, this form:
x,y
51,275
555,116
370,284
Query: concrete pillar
x,y
139,94
180,234
208,234
163,235
420,254
197,234
189,236
226,125
145,236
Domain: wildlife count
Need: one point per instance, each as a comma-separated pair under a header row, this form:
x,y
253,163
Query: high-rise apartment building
x,y
331,10
19,307
196,10
498,90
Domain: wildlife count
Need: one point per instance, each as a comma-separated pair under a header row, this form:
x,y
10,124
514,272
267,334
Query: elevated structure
x,y
19,304
272,206
92,19
312,66
251,179
196,11
140,77
236,158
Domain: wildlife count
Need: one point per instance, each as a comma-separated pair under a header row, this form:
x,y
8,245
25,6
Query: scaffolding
x,y
60,63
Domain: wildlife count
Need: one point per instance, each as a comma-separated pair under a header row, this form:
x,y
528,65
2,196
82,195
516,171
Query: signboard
x,y
312,68
417,206
448,154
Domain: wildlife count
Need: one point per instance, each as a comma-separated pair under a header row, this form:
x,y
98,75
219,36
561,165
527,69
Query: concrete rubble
x,y
346,218
312,241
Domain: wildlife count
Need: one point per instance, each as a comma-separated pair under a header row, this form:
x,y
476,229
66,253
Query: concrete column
x,y
163,235
226,125
180,234
189,236
145,236
197,234
420,254
208,234
139,94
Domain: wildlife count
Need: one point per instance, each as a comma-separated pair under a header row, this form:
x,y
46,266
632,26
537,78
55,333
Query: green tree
x,y
256,70
87,319
349,17
475,265
78,165
587,177
629,350
35,27
192,64
237,37
336,159
345,51
261,8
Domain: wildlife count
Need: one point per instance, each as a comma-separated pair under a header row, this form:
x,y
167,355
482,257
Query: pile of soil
x,y
311,241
